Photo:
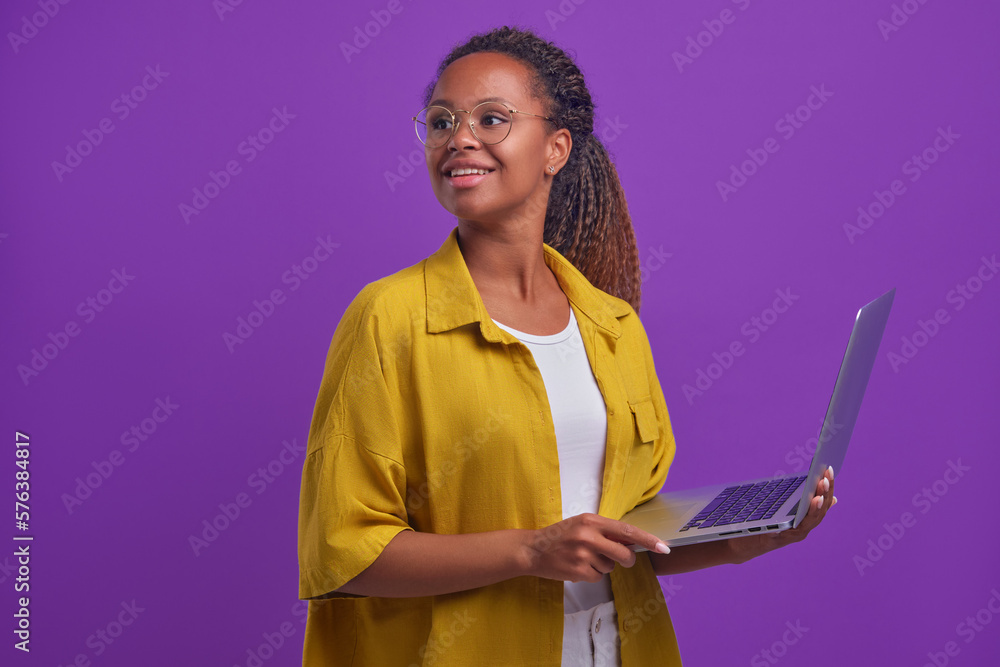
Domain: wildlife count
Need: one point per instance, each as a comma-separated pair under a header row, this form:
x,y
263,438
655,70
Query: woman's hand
x,y
751,546
585,547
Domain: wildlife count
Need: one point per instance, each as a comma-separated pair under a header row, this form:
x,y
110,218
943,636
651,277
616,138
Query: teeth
x,y
465,172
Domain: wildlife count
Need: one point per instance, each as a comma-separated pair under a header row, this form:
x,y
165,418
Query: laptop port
x,y
754,530
773,527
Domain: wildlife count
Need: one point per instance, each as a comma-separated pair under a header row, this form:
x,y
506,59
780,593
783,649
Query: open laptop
x,y
771,504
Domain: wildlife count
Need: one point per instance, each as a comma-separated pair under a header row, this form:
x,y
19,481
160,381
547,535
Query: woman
x,y
486,415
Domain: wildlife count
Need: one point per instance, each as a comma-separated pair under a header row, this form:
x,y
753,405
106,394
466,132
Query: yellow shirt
x,y
431,418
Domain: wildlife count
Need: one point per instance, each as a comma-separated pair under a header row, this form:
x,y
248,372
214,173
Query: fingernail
x,y
834,501
826,485
662,548
831,472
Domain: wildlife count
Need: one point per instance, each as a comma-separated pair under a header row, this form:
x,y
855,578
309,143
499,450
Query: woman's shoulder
x,y
392,297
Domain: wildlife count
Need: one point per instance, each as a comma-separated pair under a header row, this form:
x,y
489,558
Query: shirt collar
x,y
453,300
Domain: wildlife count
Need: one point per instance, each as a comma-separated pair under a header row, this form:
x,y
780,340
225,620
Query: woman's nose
x,y
463,134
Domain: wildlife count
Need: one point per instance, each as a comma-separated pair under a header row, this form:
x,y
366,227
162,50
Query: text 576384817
x,y
22,541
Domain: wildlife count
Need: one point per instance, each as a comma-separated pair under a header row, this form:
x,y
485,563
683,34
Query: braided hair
x,y
586,219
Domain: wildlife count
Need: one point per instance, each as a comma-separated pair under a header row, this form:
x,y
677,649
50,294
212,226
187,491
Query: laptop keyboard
x,y
749,502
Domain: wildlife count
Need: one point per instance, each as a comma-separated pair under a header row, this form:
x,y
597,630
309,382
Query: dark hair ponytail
x,y
587,217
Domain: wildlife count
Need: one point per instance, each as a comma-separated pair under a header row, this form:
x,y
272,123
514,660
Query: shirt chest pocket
x,y
647,427
645,430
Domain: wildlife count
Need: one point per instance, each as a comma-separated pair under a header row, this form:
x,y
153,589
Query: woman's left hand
x,y
751,546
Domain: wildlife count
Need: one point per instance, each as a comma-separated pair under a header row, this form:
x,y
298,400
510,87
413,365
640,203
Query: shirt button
x,y
611,412
632,624
598,628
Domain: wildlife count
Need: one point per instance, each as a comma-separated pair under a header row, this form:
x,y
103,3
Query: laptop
x,y
770,504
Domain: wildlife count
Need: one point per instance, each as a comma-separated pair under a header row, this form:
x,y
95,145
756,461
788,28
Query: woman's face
x,y
516,189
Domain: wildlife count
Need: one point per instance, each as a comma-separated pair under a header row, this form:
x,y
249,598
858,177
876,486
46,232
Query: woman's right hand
x,y
585,547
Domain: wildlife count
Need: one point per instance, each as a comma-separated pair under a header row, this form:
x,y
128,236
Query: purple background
x,y
673,134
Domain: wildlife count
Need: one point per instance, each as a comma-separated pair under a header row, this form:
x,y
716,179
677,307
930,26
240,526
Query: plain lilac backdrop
x,y
340,170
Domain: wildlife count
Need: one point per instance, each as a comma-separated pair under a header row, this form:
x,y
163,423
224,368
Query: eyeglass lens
x,y
491,120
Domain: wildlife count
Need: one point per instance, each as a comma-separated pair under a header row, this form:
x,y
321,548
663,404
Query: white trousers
x,y
590,637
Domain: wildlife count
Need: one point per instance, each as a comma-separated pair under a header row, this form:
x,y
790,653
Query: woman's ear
x,y
560,144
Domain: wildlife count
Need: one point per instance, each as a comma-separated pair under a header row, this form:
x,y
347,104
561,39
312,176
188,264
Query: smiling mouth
x,y
459,173
467,179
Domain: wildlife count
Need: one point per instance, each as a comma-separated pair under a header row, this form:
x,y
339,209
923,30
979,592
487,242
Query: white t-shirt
x,y
580,419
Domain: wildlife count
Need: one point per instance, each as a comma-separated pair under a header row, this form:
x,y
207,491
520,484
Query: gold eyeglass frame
x,y
472,124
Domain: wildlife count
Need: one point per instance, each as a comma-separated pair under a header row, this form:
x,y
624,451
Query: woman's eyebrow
x,y
444,102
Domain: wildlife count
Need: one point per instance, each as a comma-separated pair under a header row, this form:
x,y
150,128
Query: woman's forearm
x,y
692,557
416,564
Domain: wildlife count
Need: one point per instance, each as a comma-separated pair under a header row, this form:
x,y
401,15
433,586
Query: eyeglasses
x,y
490,123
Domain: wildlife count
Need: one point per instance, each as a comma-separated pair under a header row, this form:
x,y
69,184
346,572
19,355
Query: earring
x,y
552,169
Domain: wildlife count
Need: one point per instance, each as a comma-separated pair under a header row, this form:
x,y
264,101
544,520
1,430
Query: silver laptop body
x,y
702,515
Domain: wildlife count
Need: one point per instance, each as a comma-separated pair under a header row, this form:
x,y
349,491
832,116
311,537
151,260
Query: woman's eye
x,y
493,119
441,124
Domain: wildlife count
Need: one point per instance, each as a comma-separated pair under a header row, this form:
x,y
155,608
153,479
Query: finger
x,y
603,564
822,485
617,552
811,518
824,491
625,533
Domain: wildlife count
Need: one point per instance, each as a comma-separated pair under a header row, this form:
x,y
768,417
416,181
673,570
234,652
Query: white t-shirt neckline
x,y
551,339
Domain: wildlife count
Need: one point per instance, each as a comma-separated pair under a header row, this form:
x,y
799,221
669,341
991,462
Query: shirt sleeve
x,y
664,446
352,497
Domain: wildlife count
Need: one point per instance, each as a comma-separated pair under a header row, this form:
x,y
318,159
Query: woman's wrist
x,y
743,549
736,555
524,553
691,557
